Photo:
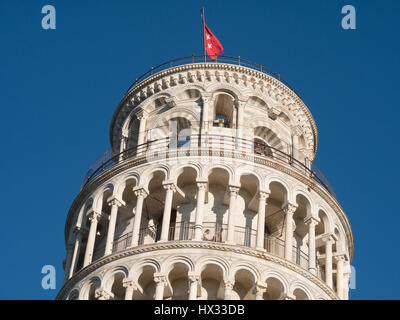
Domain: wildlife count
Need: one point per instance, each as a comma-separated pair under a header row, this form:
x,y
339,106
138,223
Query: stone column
x,y
339,275
311,222
77,246
193,282
130,286
240,111
201,194
346,280
262,197
141,116
140,194
228,290
289,211
233,192
170,189
296,133
161,283
122,148
206,112
260,289
115,204
94,219
68,260
328,260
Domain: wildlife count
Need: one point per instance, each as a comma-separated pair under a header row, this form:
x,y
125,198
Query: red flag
x,y
211,43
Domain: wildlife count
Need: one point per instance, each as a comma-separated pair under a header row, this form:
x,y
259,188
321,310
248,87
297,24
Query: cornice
x,y
193,245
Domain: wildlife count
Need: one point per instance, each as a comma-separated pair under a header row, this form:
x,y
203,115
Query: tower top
x,y
246,81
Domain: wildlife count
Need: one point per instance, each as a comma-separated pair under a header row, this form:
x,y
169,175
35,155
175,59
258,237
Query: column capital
x,y
260,288
312,221
340,257
289,208
233,189
169,186
103,294
140,192
94,215
193,277
129,283
160,279
115,201
141,114
78,230
228,284
328,238
202,184
263,194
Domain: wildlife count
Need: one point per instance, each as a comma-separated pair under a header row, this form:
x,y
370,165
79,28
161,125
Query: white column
x,y
240,110
262,197
296,132
339,275
140,194
142,116
311,222
77,246
346,280
206,110
228,290
94,219
328,261
170,189
193,282
115,204
161,283
289,211
130,286
233,192
68,260
122,147
260,289
201,195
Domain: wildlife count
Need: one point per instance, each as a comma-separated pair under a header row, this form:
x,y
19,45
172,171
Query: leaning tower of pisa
x,y
208,191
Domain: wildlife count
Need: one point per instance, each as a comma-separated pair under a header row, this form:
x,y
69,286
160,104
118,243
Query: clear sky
x,y
59,89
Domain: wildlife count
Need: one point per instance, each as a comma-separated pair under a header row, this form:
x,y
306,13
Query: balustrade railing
x,y
204,58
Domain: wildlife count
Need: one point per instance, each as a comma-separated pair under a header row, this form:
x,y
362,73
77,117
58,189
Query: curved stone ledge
x,y
193,245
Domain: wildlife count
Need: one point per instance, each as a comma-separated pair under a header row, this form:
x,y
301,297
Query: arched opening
x,y
212,284
117,288
180,132
215,217
102,226
275,218
155,202
243,289
300,294
275,289
247,207
268,139
300,243
132,142
186,207
178,278
224,111
147,286
261,148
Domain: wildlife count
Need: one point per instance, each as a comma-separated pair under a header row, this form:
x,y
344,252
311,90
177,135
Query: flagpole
x,y
204,44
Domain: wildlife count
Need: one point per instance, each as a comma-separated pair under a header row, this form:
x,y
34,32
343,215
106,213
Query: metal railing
x,y
207,145
205,59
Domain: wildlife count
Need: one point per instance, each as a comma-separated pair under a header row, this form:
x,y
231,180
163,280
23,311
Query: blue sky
x,y
59,89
